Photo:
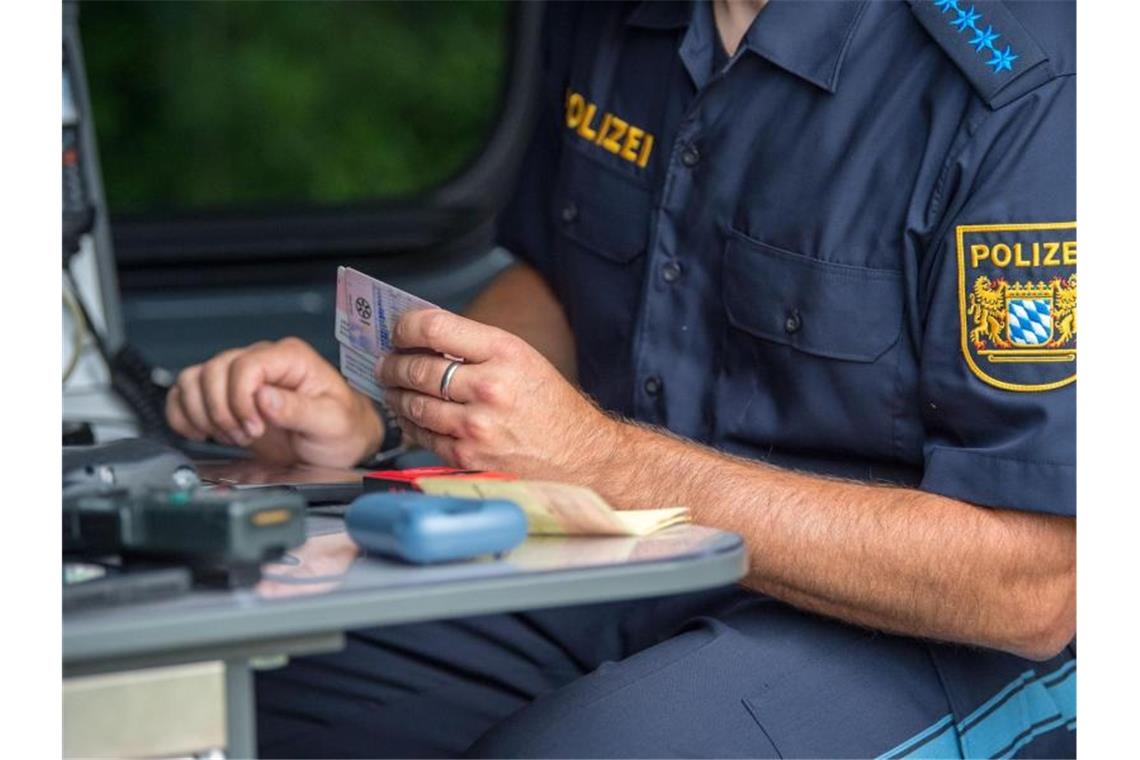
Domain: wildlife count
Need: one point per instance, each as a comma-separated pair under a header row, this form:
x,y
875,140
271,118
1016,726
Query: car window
x,y
205,105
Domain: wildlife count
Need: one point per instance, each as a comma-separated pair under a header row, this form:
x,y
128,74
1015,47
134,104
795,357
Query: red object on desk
x,y
405,480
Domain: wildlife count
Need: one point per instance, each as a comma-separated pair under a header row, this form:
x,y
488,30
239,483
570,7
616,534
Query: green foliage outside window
x,y
207,104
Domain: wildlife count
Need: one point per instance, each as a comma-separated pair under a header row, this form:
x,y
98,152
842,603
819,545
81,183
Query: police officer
x,y
816,264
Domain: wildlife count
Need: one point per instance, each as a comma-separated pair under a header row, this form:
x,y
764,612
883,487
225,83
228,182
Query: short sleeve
x,y
999,339
524,227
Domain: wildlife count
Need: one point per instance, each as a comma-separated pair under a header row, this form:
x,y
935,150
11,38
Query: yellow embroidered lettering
x,y
613,133
1051,254
1017,260
602,132
584,128
632,143
979,252
1070,253
575,107
646,147
1001,255
612,142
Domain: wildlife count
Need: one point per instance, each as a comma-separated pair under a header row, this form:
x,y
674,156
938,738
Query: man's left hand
x,y
509,408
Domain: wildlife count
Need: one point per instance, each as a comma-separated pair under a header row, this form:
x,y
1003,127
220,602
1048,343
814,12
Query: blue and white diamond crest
x,y
1030,321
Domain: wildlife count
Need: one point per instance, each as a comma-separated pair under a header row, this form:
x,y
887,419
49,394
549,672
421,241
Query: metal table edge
x,y
407,604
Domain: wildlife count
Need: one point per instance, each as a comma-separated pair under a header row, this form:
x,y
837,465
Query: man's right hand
x,y
282,400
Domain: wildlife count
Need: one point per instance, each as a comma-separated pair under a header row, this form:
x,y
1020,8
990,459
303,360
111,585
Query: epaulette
x,y
988,43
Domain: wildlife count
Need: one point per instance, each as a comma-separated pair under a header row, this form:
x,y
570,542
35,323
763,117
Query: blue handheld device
x,y
421,528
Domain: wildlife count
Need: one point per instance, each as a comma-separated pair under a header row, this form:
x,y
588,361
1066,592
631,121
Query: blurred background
x,y
223,104
248,149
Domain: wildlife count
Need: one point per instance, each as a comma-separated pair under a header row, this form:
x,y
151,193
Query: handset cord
x,y
78,333
132,378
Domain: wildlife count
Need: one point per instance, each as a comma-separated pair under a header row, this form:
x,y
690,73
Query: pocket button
x,y
671,272
570,212
793,323
690,156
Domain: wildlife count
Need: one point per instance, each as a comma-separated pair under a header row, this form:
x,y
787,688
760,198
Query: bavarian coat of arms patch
x,y
1017,292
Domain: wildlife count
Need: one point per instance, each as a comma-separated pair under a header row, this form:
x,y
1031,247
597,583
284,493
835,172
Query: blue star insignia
x,y
984,39
966,19
1003,59
945,5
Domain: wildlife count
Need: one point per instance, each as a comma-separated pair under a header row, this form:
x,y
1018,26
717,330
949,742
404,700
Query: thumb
x,y
289,410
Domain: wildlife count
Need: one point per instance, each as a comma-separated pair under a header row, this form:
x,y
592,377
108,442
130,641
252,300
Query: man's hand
x,y
510,409
893,559
280,399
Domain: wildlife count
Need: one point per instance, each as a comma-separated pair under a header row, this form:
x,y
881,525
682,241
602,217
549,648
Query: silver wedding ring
x,y
445,381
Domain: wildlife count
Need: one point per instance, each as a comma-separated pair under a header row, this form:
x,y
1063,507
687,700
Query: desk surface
x,y
326,586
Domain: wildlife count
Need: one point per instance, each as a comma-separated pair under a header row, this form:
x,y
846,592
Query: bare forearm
x,y
519,301
893,559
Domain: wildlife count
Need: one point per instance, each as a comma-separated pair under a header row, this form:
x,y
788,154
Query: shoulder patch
x,y
988,43
1017,297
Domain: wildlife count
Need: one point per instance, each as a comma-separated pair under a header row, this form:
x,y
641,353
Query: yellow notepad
x,y
560,509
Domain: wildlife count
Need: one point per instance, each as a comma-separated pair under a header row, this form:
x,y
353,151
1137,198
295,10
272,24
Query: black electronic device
x,y
223,536
129,464
138,499
319,485
87,585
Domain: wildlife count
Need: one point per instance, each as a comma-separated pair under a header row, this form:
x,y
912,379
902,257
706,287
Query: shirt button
x,y
793,323
671,272
690,156
653,385
569,212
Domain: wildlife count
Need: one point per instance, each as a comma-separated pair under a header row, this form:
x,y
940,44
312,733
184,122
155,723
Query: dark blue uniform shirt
x,y
850,250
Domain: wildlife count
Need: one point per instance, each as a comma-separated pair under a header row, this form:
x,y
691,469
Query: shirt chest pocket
x,y
601,222
812,358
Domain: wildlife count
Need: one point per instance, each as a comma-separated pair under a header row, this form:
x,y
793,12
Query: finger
x,y
177,419
447,333
246,374
190,399
427,412
215,392
285,364
317,416
423,373
441,445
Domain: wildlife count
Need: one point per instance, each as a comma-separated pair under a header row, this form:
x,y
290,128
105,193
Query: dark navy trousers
x,y
725,673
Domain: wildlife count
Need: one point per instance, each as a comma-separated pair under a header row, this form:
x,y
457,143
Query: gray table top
x,y
327,586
